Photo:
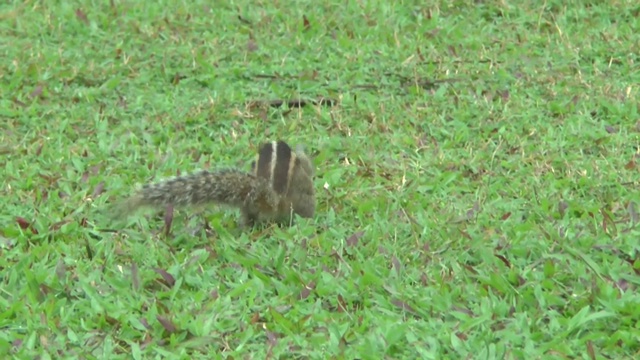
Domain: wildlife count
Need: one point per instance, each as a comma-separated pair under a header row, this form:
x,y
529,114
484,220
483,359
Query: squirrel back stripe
x,y
281,169
263,165
277,172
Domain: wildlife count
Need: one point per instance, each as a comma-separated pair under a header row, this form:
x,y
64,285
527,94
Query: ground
x,y
477,179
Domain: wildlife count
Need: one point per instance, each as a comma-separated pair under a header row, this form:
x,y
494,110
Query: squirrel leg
x,y
248,218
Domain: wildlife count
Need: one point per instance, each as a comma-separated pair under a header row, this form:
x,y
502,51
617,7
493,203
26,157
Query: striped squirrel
x,y
280,184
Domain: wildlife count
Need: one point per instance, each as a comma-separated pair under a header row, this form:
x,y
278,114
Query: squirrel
x,y
279,185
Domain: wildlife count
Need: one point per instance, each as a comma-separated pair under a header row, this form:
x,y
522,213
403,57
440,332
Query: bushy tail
x,y
229,187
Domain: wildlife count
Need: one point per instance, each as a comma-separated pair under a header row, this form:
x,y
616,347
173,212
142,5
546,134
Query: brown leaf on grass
x,y
82,16
353,239
465,234
505,216
59,224
45,290
452,51
504,260
24,225
561,231
44,195
146,341
591,351
252,45
19,103
606,219
254,318
473,212
306,291
145,323
574,99
95,170
167,324
176,78
404,306
306,23
122,102
424,280
342,305
213,254
272,338
295,348
62,194
395,263
623,284
85,177
463,310
562,208
135,276
610,129
488,95
39,149
419,54
111,320
82,223
36,92
98,190
168,219
167,279
630,165
504,95
470,269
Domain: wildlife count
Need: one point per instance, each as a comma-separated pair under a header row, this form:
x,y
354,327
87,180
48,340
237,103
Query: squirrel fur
x,y
279,185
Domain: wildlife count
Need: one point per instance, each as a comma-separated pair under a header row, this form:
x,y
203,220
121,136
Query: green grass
x,y
477,181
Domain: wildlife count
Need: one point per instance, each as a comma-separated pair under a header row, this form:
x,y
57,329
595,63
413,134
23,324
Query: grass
x,y
477,179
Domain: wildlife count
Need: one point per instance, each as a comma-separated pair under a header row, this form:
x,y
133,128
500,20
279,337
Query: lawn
x,y
477,172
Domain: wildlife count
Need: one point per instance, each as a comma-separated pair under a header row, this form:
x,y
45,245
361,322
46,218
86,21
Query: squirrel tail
x,y
229,187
